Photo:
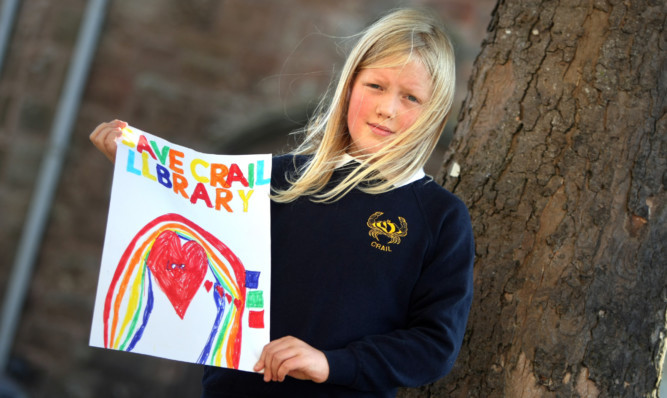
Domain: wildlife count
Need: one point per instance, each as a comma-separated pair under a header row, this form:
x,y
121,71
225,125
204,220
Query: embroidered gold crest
x,y
386,227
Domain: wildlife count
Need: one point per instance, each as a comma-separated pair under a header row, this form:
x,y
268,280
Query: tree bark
x,y
562,150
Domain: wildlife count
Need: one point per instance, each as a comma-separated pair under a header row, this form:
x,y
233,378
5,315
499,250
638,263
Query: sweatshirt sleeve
x,y
440,302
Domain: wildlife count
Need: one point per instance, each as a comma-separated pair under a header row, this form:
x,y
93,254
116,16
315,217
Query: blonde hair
x,y
393,40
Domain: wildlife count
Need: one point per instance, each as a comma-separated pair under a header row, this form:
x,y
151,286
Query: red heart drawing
x,y
179,270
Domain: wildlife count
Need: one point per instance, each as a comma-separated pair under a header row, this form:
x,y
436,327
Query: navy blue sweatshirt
x,y
382,284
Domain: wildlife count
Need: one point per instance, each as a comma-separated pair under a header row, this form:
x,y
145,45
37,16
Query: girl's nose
x,y
386,107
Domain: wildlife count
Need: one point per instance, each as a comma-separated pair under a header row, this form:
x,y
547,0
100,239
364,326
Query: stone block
x,y
66,24
5,101
35,116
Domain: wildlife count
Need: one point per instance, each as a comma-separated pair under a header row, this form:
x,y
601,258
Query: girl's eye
x,y
374,86
412,98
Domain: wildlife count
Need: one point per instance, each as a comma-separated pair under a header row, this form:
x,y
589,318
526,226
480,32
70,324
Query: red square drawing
x,y
256,319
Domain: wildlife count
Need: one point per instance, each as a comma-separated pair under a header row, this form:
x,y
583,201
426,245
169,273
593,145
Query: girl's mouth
x,y
380,130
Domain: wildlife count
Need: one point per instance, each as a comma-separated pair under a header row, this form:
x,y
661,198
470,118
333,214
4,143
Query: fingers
x,y
269,356
280,358
293,357
104,137
259,366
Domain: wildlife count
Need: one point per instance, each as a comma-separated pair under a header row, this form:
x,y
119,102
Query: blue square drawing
x,y
251,279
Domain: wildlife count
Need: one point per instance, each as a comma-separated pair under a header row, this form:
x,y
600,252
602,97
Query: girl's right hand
x,y
104,137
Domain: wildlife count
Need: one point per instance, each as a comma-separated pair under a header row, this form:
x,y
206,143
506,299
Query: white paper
x,y
186,265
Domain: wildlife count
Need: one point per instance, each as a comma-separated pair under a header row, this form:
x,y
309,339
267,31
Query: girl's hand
x,y
290,356
104,137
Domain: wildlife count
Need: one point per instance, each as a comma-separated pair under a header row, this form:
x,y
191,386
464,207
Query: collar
x,y
347,158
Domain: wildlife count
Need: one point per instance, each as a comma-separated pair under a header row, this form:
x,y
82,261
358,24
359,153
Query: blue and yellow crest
x,y
386,227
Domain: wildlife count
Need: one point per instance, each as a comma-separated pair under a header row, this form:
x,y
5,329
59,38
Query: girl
x,y
371,259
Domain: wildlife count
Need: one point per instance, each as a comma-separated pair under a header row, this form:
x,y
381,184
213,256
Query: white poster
x,y
186,265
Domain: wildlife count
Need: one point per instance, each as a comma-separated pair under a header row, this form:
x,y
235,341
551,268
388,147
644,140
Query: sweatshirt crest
x,y
393,231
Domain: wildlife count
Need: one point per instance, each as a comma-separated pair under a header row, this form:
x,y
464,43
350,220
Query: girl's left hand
x,y
290,356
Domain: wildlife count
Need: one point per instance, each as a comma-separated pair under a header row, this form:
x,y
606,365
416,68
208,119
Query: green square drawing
x,y
255,299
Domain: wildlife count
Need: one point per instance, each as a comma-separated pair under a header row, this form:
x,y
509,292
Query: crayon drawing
x,y
156,255
177,289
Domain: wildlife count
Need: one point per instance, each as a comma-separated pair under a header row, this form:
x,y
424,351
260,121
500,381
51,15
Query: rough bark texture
x,y
562,149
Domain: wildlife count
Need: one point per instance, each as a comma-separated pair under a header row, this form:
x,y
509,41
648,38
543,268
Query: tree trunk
x,y
562,153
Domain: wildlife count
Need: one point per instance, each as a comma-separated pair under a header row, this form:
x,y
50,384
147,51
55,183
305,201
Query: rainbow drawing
x,y
174,254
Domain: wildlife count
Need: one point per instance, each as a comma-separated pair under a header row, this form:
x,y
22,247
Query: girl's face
x,y
385,102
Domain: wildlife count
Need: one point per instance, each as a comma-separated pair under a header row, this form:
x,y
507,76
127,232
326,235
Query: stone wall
x,y
209,74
